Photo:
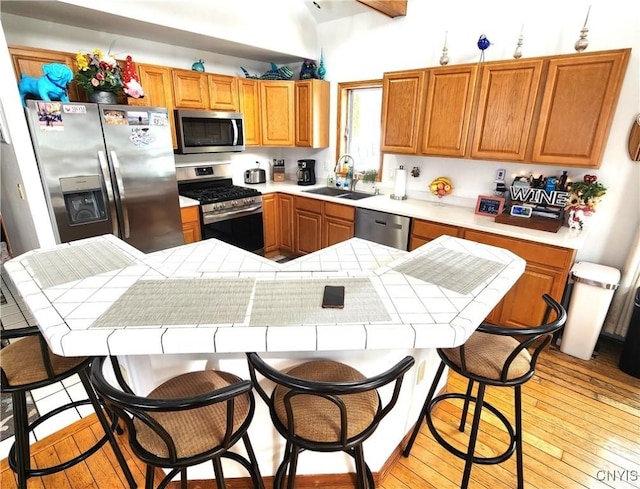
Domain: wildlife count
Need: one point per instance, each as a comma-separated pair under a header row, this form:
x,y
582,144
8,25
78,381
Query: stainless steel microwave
x,y
204,131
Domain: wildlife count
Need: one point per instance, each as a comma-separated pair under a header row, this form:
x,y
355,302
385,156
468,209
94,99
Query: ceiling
x,y
74,15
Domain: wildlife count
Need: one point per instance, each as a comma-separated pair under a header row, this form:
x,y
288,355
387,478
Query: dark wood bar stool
x,y
498,356
189,419
326,406
27,363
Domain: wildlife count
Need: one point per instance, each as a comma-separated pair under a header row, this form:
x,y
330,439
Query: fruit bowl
x,y
440,187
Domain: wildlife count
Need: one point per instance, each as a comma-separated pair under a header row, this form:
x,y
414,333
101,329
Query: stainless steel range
x,y
228,212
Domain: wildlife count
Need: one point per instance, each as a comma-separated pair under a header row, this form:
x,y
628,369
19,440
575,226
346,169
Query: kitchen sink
x,y
339,193
355,195
333,192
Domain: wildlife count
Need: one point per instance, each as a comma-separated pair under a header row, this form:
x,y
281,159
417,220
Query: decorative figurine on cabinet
x,y
198,65
308,70
51,86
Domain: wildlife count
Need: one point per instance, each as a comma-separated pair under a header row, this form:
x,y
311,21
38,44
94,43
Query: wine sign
x,y
557,198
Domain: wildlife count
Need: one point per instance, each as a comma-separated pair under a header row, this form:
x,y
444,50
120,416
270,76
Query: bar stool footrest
x,y
460,454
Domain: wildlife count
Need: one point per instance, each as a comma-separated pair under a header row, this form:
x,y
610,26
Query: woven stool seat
x,y
325,406
27,363
486,355
194,431
497,356
192,418
318,419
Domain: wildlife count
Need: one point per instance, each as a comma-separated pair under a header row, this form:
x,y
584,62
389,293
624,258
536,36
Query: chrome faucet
x,y
342,157
355,178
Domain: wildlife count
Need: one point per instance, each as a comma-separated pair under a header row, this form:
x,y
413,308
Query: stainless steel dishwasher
x,y
381,227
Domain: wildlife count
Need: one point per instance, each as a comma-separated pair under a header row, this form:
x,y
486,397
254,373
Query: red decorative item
x,y
130,71
131,81
589,179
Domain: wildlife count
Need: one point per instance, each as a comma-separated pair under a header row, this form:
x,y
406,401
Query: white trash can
x,y
593,290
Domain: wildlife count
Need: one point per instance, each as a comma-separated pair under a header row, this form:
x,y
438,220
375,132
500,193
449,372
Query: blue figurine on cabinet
x,y
51,86
198,65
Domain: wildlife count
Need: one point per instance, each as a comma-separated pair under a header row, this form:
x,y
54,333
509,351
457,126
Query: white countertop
x,y
447,214
73,288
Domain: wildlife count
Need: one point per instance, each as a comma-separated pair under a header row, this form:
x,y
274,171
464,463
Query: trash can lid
x,y
597,275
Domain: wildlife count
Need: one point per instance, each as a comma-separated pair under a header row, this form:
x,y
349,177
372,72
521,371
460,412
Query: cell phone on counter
x,y
333,296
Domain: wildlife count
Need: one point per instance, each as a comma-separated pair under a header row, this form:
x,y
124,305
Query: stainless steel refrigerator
x,y
108,169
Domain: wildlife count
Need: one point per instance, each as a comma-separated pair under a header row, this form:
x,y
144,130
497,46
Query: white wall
x,y
365,46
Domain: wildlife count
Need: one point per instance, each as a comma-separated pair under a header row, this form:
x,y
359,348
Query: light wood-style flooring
x,y
581,430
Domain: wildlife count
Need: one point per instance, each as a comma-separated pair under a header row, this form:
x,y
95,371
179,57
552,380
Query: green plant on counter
x,y
370,176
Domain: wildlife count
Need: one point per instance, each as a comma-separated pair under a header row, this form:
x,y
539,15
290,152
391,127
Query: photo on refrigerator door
x,y
50,116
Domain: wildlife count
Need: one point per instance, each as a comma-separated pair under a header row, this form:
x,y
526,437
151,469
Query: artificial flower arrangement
x,y
583,200
98,72
586,194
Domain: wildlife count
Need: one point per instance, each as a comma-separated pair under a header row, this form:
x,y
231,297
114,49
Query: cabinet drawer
x,y
190,214
543,254
433,230
340,211
311,205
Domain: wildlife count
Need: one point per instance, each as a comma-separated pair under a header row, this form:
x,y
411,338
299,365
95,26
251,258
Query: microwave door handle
x,y
235,132
104,167
123,199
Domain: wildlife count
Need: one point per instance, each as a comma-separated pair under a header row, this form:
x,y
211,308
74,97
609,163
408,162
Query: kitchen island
x,y
205,304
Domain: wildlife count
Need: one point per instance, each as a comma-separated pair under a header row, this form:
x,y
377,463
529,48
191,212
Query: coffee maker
x,y
306,172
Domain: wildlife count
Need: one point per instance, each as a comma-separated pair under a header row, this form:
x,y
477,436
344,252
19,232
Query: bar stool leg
x,y
473,437
360,467
424,412
217,468
465,409
84,378
21,443
519,452
255,472
293,467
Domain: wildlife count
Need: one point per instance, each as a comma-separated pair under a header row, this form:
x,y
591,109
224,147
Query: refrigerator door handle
x,y
123,200
104,167
235,132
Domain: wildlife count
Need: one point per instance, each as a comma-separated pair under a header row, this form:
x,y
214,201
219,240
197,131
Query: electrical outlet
x,y
420,375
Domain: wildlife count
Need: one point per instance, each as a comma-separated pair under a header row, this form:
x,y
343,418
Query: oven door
x,y
241,228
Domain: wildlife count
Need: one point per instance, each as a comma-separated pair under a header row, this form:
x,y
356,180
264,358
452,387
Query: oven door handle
x,y
208,218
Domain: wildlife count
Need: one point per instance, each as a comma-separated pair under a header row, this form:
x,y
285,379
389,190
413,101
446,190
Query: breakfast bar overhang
x,y
207,303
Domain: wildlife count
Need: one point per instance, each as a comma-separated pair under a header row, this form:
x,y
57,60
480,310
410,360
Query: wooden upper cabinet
x,y
277,113
249,92
391,8
223,92
506,104
190,89
156,83
447,113
578,104
312,113
402,93
30,60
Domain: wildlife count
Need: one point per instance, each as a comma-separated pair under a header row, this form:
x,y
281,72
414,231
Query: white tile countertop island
x,y
203,305
100,296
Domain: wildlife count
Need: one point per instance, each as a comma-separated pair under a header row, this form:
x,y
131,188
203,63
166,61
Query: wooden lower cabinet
x,y
424,231
338,223
270,223
546,273
307,225
285,222
191,224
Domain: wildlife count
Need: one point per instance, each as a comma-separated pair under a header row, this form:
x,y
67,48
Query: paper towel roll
x,y
400,188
